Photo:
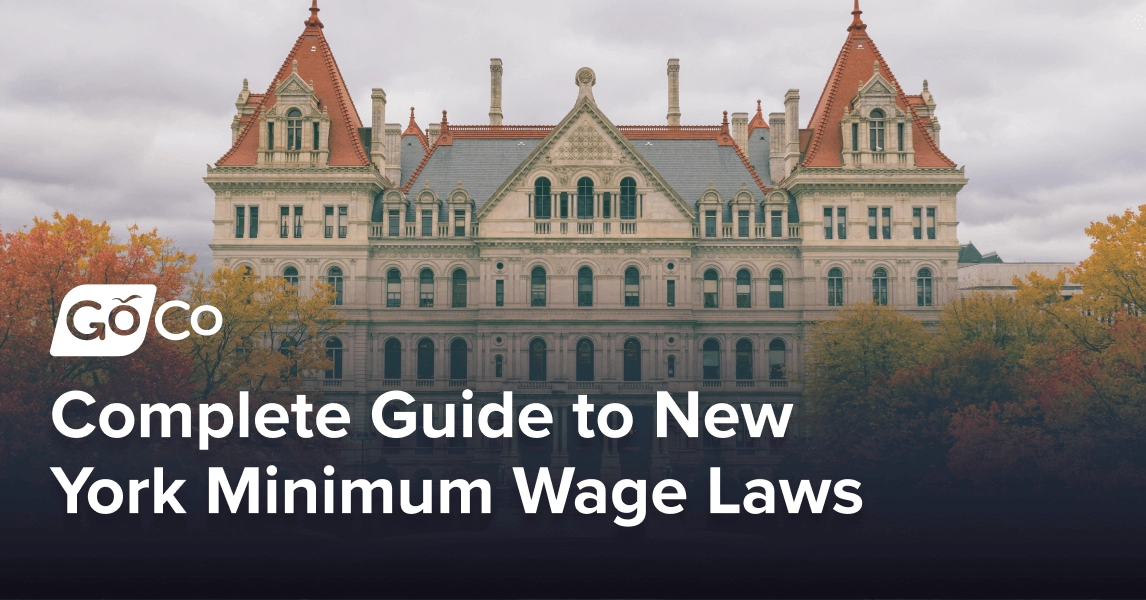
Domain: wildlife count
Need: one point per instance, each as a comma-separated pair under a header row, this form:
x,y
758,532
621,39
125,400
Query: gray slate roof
x,y
411,155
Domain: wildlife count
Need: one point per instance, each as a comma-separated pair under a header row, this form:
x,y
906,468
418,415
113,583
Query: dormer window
x,y
294,129
875,130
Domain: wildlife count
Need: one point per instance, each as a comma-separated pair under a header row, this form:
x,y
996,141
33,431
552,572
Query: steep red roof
x,y
853,67
414,130
315,65
757,121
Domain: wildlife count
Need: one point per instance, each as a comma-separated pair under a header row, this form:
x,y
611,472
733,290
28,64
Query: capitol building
x,y
586,257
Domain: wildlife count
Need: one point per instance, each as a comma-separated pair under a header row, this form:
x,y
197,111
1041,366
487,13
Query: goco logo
x,y
111,320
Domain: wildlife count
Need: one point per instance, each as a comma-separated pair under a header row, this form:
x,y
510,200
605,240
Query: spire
x,y
857,22
445,138
758,121
313,20
725,138
413,129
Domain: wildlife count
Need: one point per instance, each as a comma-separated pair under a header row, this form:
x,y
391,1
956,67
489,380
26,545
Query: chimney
x,y
740,130
674,92
378,129
777,126
432,133
495,92
791,131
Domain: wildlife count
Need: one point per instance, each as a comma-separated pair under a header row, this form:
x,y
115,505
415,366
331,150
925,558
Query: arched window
x,y
334,278
392,359
585,286
248,272
294,129
585,360
290,275
743,289
777,359
875,129
632,364
287,349
498,366
744,359
923,287
711,282
459,359
710,359
628,198
426,288
537,287
459,288
879,286
835,287
632,287
334,355
425,359
393,288
776,289
542,199
538,357
584,198
672,366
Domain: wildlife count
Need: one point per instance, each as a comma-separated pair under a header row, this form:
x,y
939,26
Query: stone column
x,y
495,92
674,92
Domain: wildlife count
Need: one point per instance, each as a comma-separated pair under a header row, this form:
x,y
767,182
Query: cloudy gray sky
x,y
112,110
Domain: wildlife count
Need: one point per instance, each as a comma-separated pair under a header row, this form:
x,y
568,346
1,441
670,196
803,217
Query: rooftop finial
x,y
313,20
758,109
445,123
411,115
857,22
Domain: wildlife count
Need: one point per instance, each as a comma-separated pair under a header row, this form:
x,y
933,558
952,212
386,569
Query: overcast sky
x,y
112,110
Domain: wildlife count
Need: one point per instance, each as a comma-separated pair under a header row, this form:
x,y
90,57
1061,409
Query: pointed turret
x,y
758,121
314,63
854,68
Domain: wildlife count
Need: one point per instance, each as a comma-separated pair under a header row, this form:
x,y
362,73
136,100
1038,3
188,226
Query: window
x,y
827,222
425,359
742,224
392,359
584,286
499,292
270,136
298,221
564,205
254,230
287,349
632,287
711,282
842,223
899,136
917,223
886,216
872,223
584,198
334,355
334,278
776,289
393,289
671,366
606,205
835,287
328,221
395,223
248,273
628,198
294,129
710,359
537,360
542,199
290,275
343,220
744,359
879,286
875,130
427,223
537,287
459,291
923,287
497,366
670,292
585,360
855,137
710,223
240,221
459,223
930,221
284,221
632,360
777,359
426,288
314,137
743,289
777,224
459,359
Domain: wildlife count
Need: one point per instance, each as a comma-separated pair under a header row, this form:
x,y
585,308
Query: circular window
x,y
672,340
671,266
500,266
497,340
